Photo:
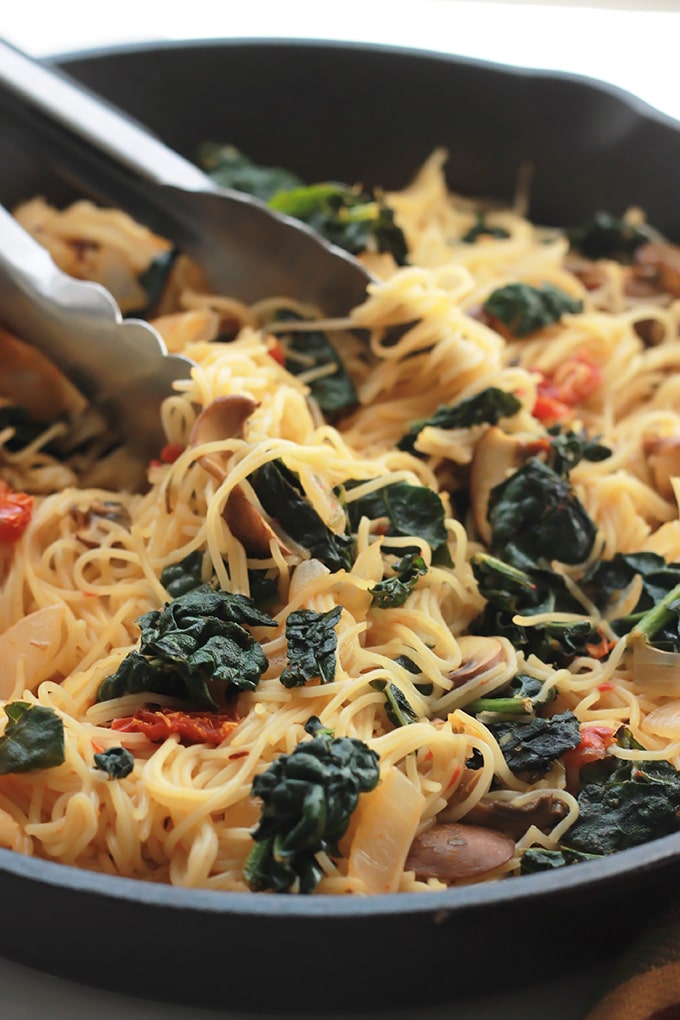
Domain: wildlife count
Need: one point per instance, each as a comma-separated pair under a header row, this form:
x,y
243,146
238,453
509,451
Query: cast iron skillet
x,y
357,113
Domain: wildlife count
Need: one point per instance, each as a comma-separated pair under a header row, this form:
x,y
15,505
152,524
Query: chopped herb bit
x,y
33,738
308,797
117,762
488,406
568,448
525,309
312,642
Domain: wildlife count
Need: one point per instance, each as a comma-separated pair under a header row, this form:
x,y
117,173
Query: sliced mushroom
x,y
514,819
479,654
88,522
247,524
496,456
663,458
457,852
660,264
222,419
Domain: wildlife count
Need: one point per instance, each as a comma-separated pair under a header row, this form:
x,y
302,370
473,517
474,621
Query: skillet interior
x,y
329,110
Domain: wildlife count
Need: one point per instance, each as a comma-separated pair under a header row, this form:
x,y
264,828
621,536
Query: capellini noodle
x,y
69,603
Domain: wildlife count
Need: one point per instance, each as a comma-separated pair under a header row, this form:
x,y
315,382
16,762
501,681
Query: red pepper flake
x,y
192,727
16,509
606,686
238,754
602,649
276,350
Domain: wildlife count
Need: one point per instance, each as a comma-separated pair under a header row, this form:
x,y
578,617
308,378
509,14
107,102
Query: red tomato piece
x,y
170,452
594,746
16,509
192,727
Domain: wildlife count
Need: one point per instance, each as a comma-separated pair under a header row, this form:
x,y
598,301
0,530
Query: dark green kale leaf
x,y
185,576
33,738
397,706
525,309
524,695
312,643
308,797
264,590
657,612
410,666
568,448
154,280
393,591
483,229
636,802
280,493
537,859
229,168
411,510
194,641
535,514
333,393
351,218
117,762
608,237
533,745
488,406
510,591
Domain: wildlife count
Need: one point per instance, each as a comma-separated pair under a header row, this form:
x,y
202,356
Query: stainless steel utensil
x,y
245,249
120,365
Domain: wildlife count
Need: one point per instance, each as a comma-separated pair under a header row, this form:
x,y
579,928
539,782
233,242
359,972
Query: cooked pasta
x,y
454,582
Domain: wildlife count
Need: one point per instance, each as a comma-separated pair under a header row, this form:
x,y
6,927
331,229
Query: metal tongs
x,y
245,249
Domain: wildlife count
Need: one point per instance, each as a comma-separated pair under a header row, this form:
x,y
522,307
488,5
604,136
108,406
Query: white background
x,y
631,45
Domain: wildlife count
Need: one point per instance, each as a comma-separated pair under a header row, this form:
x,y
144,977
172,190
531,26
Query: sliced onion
x,y
656,669
664,721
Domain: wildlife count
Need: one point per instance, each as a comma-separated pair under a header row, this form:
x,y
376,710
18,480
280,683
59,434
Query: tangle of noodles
x,y
92,560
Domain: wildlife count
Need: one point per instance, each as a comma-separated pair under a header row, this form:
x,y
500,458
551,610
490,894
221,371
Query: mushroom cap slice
x,y
223,418
456,852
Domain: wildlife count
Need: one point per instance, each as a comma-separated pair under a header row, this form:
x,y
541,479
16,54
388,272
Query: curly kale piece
x,y
230,168
194,641
608,237
351,217
410,510
185,576
569,448
525,309
398,708
537,859
308,797
635,802
533,745
393,591
312,642
280,493
334,392
481,228
535,514
486,407
33,738
510,592
117,762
